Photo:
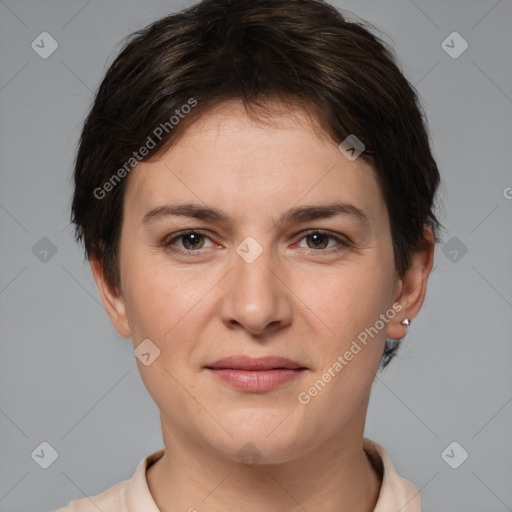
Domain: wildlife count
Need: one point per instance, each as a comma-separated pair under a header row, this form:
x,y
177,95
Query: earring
x,y
406,322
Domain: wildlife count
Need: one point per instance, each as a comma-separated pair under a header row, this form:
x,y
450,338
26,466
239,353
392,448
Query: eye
x,y
318,241
191,241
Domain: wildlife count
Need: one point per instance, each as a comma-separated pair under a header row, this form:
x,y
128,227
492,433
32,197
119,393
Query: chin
x,y
263,436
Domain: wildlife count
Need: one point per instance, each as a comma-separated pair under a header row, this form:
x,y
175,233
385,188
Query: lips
x,y
255,364
255,374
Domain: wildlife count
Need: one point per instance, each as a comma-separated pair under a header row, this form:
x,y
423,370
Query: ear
x,y
112,299
412,287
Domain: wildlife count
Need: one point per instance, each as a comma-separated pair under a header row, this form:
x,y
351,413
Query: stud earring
x,y
406,322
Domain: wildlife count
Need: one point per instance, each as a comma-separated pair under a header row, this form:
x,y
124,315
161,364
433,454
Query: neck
x,y
335,476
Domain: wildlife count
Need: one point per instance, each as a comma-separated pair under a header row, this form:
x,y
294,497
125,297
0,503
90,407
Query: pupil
x,y
192,239
317,239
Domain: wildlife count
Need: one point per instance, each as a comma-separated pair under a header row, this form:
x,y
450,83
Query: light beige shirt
x,y
396,493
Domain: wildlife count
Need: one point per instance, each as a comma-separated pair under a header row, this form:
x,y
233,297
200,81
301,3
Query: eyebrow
x,y
294,215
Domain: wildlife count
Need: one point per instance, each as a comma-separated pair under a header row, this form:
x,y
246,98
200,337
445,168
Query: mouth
x,y
255,374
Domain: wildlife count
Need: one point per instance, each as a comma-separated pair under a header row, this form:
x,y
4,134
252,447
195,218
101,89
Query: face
x,y
254,256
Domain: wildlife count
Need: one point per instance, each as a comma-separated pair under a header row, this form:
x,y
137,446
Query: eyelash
x,y
168,243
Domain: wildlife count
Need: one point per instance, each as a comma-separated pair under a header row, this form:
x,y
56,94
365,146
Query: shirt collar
x,y
396,493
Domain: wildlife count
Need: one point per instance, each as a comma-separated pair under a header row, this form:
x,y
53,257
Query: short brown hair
x,y
300,52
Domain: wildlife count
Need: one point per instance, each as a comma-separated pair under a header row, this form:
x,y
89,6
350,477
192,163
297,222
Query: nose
x,y
255,297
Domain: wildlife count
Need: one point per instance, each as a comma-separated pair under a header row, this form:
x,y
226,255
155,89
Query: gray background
x,y
68,379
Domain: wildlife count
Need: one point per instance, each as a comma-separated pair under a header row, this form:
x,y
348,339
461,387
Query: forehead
x,y
229,158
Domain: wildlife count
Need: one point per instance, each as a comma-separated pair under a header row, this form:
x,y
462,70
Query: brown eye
x,y
324,242
192,240
187,242
318,240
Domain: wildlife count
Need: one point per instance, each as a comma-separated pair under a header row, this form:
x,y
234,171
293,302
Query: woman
x,y
255,190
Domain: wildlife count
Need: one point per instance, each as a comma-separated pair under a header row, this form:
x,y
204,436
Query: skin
x,y
295,300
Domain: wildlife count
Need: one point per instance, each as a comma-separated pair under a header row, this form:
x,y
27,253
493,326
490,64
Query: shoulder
x,y
396,493
128,495
107,501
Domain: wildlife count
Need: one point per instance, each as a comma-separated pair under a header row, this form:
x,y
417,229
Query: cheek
x,y
156,298
347,299
350,303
